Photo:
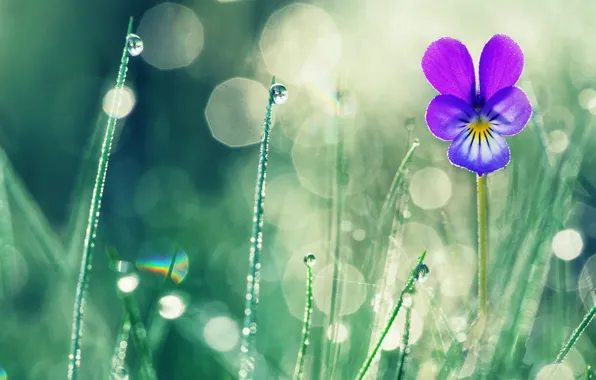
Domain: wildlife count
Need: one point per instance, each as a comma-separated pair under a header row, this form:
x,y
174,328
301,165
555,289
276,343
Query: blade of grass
x,y
309,261
576,334
74,358
407,288
247,359
405,345
139,332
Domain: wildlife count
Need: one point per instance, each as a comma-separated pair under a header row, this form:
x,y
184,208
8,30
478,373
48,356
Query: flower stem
x,y
576,334
482,238
249,331
306,326
409,285
74,358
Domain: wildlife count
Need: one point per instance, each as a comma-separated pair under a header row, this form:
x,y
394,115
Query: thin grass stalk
x,y
576,334
121,347
407,288
247,359
390,225
304,343
136,328
74,358
139,337
341,178
405,346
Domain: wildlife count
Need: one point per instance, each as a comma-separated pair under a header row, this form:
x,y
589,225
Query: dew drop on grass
x,y
422,272
134,44
310,259
279,93
118,373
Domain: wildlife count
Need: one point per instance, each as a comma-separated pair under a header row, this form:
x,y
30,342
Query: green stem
x,y
482,238
387,210
139,337
133,322
576,334
406,289
404,345
247,359
341,179
74,358
119,356
306,326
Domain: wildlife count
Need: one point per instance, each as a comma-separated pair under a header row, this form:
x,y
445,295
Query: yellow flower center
x,y
479,126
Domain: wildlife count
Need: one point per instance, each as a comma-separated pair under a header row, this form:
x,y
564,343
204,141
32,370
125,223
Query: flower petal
x,y
481,153
448,67
447,116
501,64
508,111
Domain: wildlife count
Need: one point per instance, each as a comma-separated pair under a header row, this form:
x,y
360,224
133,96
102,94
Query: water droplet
x,y
407,214
416,142
118,373
407,300
134,44
422,272
310,259
279,93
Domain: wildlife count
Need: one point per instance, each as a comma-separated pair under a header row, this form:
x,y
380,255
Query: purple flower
x,y
475,121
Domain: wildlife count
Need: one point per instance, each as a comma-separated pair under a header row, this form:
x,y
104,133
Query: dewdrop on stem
x,y
118,373
279,93
134,44
422,273
310,260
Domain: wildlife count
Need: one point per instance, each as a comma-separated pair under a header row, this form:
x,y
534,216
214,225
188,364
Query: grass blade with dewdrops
x,y
405,345
120,350
387,210
416,273
341,179
277,95
576,334
309,261
588,374
138,332
74,358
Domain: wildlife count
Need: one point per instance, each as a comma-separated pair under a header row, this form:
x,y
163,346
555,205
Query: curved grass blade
x,y
385,242
407,288
387,210
74,358
309,261
247,359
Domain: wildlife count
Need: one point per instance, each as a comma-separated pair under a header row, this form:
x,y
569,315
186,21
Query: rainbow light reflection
x,y
161,265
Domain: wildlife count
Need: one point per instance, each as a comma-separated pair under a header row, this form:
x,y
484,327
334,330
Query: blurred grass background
x,y
184,163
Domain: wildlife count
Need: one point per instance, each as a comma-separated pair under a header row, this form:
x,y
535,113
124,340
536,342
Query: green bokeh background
x,y
58,59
